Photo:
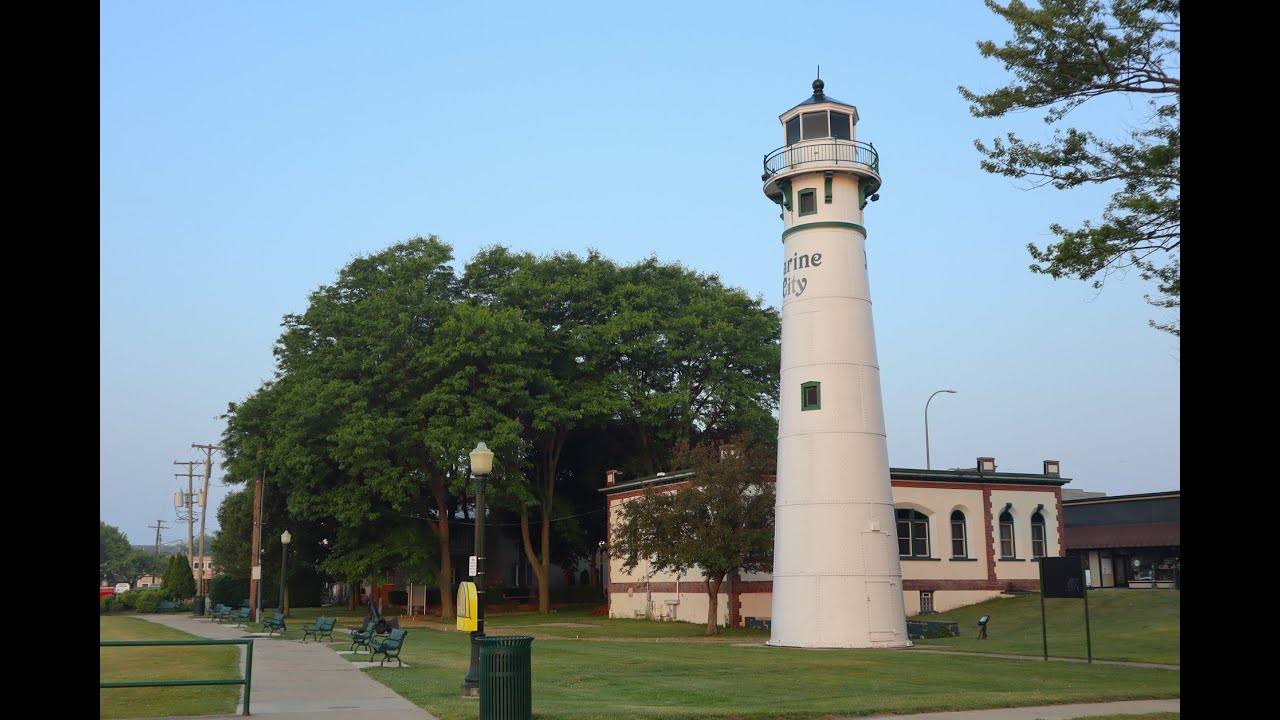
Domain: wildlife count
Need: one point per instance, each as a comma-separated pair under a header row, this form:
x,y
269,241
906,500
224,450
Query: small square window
x,y
808,202
811,396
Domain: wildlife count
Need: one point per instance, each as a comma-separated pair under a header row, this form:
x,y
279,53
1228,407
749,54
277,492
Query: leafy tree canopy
x,y
1064,53
720,522
114,549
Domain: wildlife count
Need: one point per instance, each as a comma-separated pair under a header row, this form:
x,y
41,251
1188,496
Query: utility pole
x,y
255,572
190,513
204,501
158,527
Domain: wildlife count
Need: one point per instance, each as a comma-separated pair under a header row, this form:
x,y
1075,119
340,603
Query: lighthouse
x,y
837,581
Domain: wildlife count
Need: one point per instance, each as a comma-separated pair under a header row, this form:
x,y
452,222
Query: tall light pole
x,y
927,464
285,537
481,466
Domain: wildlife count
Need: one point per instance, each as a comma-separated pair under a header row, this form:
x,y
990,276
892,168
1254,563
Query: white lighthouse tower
x,y
837,582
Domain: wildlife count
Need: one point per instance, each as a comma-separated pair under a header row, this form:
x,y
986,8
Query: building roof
x,y
968,476
1123,536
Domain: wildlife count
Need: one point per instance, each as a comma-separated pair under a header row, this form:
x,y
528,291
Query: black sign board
x,y
1062,577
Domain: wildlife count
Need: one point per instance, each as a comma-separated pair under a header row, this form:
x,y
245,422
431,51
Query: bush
x,y
179,581
227,590
106,605
128,599
148,600
398,597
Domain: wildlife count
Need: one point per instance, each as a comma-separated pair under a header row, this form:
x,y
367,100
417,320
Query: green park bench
x,y
239,617
322,627
362,636
388,647
167,606
220,613
276,622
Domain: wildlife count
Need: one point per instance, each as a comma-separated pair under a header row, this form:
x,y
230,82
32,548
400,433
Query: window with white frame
x,y
1038,544
1006,536
959,543
913,533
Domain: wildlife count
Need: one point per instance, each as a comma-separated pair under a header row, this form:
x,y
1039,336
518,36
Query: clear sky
x,y
250,150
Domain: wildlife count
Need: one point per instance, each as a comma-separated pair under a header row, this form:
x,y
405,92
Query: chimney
x,y
1051,468
986,464
610,477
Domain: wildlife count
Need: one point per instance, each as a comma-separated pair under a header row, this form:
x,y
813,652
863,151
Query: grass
x,y
130,664
1128,625
600,667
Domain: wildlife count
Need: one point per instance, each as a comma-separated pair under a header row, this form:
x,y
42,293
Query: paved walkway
x,y
294,681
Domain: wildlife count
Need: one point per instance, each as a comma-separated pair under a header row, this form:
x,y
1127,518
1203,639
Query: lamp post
x,y
481,466
285,537
927,464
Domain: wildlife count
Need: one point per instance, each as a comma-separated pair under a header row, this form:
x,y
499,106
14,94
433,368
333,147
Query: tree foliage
x,y
391,375
179,581
721,522
1064,53
114,549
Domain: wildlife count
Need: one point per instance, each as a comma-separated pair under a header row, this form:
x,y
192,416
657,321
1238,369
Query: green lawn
x,y
128,664
670,678
1130,625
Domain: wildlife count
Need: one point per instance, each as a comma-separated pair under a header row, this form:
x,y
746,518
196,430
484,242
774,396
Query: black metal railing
x,y
840,152
248,665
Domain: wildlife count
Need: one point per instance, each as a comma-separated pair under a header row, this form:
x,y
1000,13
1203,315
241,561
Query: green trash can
x,y
197,606
506,689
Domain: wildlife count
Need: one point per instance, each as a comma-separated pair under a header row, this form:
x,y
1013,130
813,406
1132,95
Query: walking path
x,y
294,681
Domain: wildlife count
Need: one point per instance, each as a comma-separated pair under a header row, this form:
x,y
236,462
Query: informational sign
x,y
256,573
468,607
1062,577
471,566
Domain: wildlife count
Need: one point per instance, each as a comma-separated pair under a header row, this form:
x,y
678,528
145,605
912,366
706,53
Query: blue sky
x,y
250,150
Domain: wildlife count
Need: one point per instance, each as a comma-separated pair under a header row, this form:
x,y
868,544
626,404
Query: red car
x,y
105,591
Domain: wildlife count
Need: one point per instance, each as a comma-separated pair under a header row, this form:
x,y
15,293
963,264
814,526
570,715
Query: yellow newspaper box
x,y
468,607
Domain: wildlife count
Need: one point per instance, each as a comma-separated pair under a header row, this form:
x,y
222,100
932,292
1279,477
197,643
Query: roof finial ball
x,y
817,86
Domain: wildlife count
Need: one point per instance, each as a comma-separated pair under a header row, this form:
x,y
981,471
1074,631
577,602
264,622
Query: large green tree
x,y
340,426
113,553
1063,54
721,522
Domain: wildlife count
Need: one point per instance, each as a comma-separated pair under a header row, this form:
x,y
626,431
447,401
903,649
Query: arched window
x,y
1037,536
1006,535
913,533
959,547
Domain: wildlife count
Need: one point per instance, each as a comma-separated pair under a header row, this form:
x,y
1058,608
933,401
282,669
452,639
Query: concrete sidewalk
x,y
294,680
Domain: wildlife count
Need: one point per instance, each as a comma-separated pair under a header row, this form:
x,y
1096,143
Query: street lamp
x,y
285,537
927,464
481,466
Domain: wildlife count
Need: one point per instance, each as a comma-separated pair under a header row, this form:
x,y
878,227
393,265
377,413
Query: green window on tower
x,y
811,396
808,201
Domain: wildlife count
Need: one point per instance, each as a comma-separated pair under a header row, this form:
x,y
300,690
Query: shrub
x,y
398,597
106,605
148,600
227,590
179,581
574,594
128,599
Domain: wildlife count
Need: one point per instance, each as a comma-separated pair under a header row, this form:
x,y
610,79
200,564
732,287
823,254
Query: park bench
x,y
388,647
322,627
239,617
220,613
361,637
276,622
167,606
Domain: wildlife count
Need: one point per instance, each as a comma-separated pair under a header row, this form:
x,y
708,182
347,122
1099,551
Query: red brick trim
x,y
989,533
640,491
969,585
1062,532
976,486
744,587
